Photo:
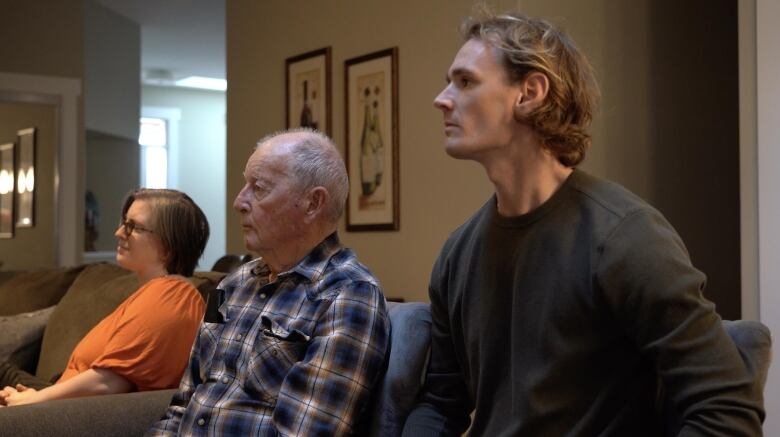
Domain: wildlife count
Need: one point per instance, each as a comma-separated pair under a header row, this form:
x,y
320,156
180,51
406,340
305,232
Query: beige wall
x,y
33,247
112,72
631,46
437,193
112,171
762,95
112,105
42,37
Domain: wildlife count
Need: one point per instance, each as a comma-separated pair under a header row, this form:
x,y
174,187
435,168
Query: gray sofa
x,y
131,414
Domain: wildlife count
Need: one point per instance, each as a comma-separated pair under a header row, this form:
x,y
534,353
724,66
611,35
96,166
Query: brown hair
x,y
531,44
180,224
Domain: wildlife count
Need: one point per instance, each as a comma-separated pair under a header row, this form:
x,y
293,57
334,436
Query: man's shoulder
x,y
468,227
465,235
240,276
606,197
613,211
344,269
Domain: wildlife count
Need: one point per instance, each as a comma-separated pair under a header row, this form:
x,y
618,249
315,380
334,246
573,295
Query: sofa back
x,y
23,292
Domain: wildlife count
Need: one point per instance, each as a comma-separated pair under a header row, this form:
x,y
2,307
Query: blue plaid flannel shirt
x,y
296,357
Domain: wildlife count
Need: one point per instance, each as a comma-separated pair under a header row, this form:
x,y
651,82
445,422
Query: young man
x,y
305,330
563,301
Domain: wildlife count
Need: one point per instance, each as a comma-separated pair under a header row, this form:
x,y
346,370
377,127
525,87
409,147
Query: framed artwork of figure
x,y
371,119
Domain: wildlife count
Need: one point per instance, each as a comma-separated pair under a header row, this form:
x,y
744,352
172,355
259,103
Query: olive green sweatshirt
x,y
561,322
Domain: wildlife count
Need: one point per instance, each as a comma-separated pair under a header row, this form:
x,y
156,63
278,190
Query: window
x,y
154,152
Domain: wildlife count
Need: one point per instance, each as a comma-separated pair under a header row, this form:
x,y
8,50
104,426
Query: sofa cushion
x,y
20,337
206,281
754,344
35,290
117,415
11,375
8,274
97,291
396,392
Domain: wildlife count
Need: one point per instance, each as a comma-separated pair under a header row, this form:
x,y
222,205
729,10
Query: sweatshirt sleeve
x,y
656,295
443,407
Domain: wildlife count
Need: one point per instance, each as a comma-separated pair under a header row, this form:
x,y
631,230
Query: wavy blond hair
x,y
531,44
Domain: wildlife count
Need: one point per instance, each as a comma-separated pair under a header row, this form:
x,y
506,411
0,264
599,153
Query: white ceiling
x,y
186,37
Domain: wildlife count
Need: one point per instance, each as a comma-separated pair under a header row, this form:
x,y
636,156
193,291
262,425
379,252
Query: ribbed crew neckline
x,y
537,213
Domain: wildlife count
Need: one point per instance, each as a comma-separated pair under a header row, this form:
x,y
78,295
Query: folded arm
x,y
89,383
444,404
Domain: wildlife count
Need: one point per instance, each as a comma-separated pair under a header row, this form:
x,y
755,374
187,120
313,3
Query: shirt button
x,y
225,380
239,337
273,351
262,296
201,421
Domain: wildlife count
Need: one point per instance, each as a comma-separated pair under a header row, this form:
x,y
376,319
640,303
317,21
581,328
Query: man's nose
x,y
443,101
241,203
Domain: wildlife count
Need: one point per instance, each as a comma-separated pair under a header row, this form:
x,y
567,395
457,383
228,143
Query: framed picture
x,y
7,172
308,91
25,179
371,84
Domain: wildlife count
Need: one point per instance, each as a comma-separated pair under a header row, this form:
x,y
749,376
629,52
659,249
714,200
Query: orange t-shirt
x,y
147,339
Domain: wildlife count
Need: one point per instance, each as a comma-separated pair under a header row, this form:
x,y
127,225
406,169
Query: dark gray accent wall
x,y
695,103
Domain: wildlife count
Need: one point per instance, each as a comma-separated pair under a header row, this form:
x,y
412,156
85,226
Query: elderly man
x,y
305,330
560,303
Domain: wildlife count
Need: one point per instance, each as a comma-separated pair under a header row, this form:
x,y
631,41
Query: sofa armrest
x,y
126,414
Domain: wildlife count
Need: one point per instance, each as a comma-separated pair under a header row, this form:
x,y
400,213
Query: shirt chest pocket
x,y
276,350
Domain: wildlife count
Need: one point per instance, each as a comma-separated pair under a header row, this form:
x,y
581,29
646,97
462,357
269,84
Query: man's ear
x,y
317,201
533,91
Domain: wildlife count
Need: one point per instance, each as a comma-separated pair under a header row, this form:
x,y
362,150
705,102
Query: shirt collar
x,y
312,265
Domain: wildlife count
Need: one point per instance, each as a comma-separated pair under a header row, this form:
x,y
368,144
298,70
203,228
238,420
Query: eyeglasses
x,y
129,226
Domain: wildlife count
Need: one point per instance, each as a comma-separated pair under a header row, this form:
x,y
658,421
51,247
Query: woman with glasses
x,y
145,343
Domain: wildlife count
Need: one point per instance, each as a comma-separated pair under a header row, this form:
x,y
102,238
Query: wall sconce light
x,y
25,180
7,190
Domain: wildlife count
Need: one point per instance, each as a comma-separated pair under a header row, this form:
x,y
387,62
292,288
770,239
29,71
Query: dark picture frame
x,y
7,176
371,145
308,91
25,178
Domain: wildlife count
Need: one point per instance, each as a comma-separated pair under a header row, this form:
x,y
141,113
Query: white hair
x,y
315,162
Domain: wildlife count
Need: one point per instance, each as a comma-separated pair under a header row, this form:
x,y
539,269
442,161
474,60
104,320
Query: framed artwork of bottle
x,y
308,86
371,127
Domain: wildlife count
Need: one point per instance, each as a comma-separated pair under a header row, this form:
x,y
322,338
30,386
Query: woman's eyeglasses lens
x,y
129,226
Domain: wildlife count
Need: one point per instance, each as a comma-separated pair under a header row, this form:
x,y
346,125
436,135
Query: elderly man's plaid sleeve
x,y
322,395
